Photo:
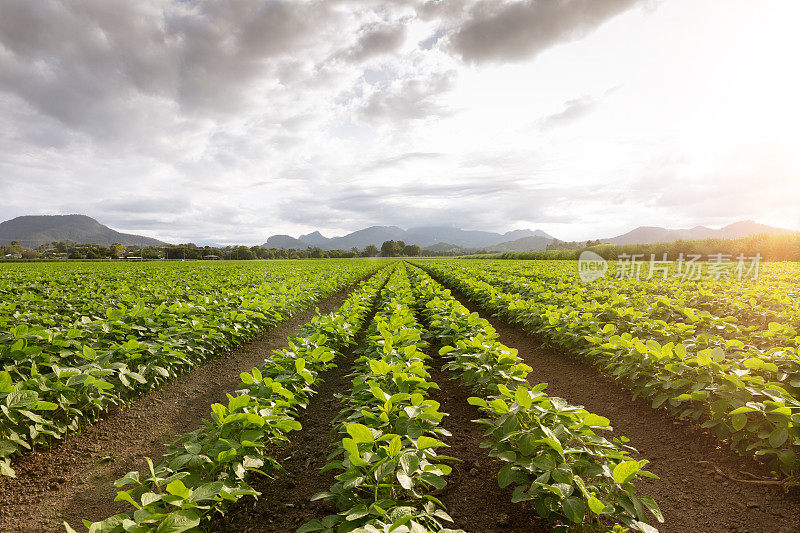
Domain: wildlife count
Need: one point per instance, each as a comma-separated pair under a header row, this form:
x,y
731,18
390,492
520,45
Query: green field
x,y
77,339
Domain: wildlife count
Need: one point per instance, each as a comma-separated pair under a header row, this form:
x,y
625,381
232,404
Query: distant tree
x,y
27,253
371,250
16,247
242,252
117,250
412,250
390,249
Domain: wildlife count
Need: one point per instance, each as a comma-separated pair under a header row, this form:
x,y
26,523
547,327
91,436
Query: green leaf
x,y
45,406
523,397
177,488
360,433
778,437
309,527
124,496
739,421
178,522
595,505
480,402
429,442
88,353
625,471
237,402
20,331
7,447
574,509
5,468
395,446
593,420
5,382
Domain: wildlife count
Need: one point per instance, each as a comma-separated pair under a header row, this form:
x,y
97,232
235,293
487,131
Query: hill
x,y
284,242
525,244
424,236
34,230
654,234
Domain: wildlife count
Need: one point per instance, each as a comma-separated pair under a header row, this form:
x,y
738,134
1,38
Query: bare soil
x,y
691,495
73,480
472,496
284,504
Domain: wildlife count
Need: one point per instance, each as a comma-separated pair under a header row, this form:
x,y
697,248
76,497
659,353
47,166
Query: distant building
x,y
12,256
132,258
211,257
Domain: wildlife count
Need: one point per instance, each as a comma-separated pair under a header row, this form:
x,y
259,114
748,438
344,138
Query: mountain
x,y
424,236
653,234
441,247
314,239
525,244
285,242
746,228
34,230
363,237
428,235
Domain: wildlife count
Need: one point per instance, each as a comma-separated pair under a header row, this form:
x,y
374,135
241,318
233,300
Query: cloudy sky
x,y
229,121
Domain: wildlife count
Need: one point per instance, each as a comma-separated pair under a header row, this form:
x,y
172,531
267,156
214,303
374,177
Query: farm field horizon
x,y
582,403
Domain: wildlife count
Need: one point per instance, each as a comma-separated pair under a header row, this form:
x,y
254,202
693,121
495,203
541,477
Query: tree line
x,y
190,251
768,247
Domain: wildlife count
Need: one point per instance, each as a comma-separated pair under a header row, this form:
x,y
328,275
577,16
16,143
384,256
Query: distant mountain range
x,y
34,230
425,236
449,239
652,234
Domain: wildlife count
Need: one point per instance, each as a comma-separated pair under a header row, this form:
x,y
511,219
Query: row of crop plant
x,y
388,469
750,401
556,456
62,371
208,468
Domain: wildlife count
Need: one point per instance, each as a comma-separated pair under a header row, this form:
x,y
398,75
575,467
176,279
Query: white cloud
x,y
228,121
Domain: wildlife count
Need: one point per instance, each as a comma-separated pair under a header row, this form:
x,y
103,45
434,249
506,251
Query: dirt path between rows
x,y
284,504
692,496
74,480
474,477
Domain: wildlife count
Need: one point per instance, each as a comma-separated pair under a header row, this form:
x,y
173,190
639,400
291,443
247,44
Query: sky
x,y
230,121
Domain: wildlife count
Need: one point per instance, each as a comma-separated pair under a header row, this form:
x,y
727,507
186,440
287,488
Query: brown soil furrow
x,y
73,480
692,496
285,501
284,504
472,496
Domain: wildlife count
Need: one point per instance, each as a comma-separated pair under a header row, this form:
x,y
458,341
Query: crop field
x,y
390,395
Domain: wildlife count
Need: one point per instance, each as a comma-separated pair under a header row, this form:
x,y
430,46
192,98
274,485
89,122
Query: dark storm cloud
x,y
100,65
492,31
